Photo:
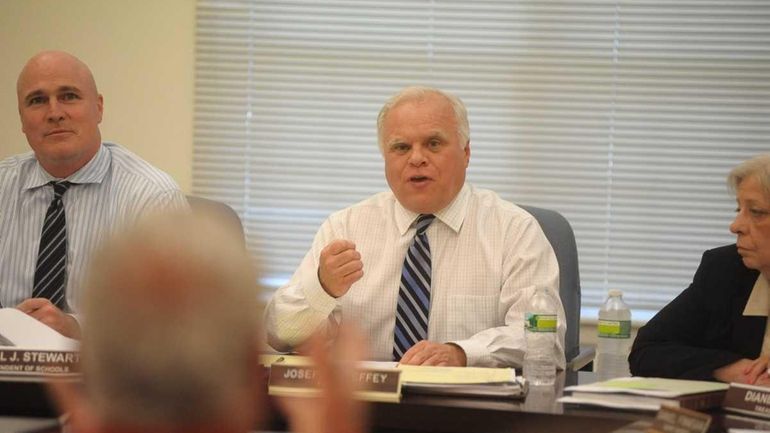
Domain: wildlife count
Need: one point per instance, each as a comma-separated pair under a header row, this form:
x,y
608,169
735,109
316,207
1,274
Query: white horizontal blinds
x,y
304,81
691,100
572,107
539,125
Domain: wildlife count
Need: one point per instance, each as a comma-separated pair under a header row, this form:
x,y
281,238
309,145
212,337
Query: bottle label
x,y
615,328
540,322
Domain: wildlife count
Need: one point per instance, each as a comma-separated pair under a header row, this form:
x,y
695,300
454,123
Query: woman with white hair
x,y
717,329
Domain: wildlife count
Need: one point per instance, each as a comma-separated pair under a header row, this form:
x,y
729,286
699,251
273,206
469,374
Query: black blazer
x,y
703,328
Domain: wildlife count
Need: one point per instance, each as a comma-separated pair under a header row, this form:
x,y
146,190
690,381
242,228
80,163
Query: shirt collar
x,y
93,172
453,215
759,300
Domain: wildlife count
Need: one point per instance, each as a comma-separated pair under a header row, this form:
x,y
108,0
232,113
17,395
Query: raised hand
x,y
339,267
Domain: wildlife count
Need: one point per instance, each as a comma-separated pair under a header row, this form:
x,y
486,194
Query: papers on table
x,y
644,393
20,330
28,348
463,381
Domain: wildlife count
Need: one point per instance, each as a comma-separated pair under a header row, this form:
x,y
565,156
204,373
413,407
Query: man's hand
x,y
743,371
340,266
334,410
430,353
43,310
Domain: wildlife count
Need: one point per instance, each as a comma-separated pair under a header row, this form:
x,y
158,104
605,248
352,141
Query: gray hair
x,y
758,166
412,93
171,331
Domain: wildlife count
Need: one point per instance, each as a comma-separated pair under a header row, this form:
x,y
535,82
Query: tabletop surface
x,y
23,408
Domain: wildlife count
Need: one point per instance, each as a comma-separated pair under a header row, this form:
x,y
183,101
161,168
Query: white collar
x,y
759,300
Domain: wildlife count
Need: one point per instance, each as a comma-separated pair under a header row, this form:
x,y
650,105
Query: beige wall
x,y
141,54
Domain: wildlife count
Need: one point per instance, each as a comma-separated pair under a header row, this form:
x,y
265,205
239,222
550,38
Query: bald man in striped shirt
x,y
60,200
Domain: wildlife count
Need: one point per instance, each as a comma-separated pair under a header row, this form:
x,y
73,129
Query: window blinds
x,y
625,116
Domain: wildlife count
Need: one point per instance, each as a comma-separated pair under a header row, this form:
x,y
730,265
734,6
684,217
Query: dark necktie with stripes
x,y
413,308
50,272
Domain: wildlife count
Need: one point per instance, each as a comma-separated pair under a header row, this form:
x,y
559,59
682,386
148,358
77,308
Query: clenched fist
x,y
339,267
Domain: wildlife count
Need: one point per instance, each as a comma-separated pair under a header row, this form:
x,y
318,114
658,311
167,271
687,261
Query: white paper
x,y
26,332
615,403
650,386
377,365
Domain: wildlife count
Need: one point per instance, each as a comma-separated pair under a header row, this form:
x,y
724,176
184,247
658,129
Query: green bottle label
x,y
540,322
615,328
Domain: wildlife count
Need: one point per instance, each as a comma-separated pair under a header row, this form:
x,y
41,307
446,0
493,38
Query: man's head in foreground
x,y
171,334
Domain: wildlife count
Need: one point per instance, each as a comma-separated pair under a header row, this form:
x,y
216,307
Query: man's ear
x,y
71,403
100,107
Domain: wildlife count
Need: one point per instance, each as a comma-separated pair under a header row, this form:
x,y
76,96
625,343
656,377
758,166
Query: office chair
x,y
559,233
221,210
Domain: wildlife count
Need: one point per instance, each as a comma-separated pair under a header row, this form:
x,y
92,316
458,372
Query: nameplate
x,y
302,380
748,399
672,419
39,362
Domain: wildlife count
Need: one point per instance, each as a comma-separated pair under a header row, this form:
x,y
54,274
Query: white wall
x,y
141,54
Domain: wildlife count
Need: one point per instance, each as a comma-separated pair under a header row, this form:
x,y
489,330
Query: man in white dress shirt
x,y
105,187
485,256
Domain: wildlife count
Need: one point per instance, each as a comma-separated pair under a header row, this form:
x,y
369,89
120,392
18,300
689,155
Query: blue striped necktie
x,y
413,308
50,272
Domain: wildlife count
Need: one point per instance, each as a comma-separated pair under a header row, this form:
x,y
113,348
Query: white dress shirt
x,y
488,257
111,190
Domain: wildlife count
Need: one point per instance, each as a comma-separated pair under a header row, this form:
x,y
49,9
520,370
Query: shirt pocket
x,y
470,314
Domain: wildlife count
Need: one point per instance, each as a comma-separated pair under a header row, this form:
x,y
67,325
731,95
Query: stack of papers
x,y
646,393
19,330
30,348
463,381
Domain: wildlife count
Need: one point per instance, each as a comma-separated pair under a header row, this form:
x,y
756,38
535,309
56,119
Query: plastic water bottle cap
x,y
615,292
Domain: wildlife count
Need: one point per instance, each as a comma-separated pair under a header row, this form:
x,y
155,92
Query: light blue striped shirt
x,y
112,190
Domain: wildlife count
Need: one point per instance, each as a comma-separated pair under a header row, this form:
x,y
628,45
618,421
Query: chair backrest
x,y
220,209
559,233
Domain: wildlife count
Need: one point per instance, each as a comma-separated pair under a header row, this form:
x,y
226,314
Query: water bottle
x,y
614,338
540,334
